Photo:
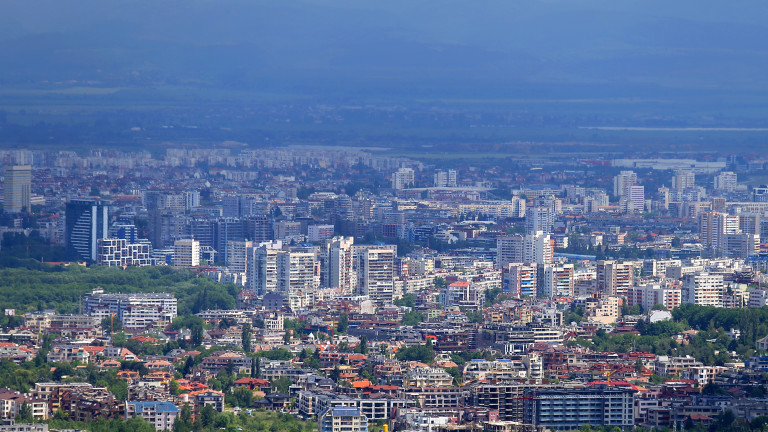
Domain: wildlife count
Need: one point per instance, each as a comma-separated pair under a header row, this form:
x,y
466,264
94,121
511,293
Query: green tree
x,y
196,338
281,385
25,414
343,324
246,338
363,347
335,374
421,353
408,300
412,318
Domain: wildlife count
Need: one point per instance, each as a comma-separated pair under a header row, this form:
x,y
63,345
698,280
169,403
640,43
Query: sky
x,y
435,48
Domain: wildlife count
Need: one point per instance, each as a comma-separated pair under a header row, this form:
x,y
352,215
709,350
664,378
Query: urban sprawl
x,y
331,289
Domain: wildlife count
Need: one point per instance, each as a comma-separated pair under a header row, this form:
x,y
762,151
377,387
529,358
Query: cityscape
x,y
402,216
352,289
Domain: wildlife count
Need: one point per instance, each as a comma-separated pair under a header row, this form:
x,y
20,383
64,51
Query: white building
x,y
703,289
118,252
319,232
726,181
403,178
237,255
536,248
186,253
262,277
376,273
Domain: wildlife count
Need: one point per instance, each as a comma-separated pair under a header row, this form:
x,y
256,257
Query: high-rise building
x,y
569,409
536,248
614,278
297,272
228,229
262,277
556,280
539,219
636,199
338,270
319,232
119,252
259,228
714,226
87,221
726,181
17,188
519,280
237,255
186,253
741,246
445,178
376,272
622,183
703,289
403,178
684,180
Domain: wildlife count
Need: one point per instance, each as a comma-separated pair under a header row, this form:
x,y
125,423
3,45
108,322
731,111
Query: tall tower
x,y
622,183
18,182
87,220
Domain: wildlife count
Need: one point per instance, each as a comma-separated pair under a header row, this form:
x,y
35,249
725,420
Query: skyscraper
x,y
18,182
87,220
539,219
622,183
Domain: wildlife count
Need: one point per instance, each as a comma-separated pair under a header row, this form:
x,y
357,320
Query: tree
x,y
335,374
412,318
421,353
287,337
25,414
408,300
343,324
111,324
440,282
281,385
242,397
246,338
196,339
639,366
363,347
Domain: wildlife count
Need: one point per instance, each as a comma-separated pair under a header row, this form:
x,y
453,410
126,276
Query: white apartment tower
x,y
537,248
726,181
684,180
376,273
237,255
713,228
186,253
262,277
339,270
17,188
622,183
703,289
402,178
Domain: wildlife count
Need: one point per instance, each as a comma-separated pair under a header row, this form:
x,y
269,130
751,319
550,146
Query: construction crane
x,y
112,324
608,374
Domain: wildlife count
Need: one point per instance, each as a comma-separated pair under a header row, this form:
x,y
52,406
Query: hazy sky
x,y
345,45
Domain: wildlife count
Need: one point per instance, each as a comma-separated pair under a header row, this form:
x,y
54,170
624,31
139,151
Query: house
x,y
209,397
253,384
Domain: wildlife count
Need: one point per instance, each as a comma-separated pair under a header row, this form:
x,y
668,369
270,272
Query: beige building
x,y
186,253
